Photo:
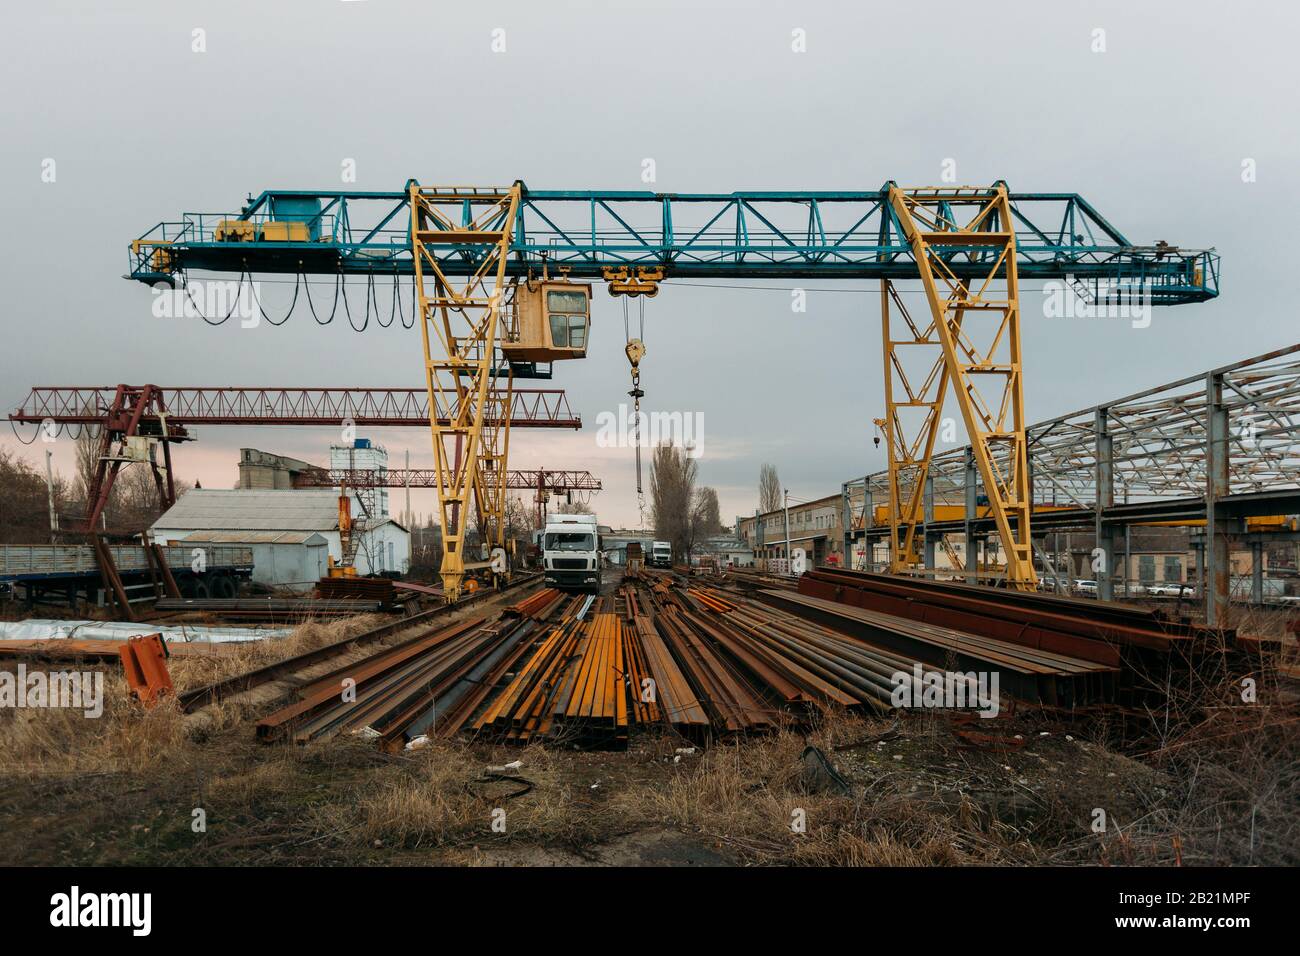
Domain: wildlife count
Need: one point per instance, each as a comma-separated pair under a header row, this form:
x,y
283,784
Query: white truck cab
x,y
571,556
661,554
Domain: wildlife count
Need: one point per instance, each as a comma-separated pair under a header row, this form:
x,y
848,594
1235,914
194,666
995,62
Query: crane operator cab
x,y
549,320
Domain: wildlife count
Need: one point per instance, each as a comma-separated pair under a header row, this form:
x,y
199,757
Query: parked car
x,y
1085,588
1171,589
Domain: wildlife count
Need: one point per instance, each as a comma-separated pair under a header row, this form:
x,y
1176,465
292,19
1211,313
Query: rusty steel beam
x,y
239,683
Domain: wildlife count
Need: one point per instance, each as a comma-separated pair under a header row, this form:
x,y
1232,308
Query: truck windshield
x,y
568,541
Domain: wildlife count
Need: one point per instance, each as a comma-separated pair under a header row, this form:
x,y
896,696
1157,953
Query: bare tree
x,y
24,502
519,526
673,500
769,489
88,442
708,517
574,508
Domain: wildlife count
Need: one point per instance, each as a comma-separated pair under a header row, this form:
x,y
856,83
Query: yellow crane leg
x,y
976,321
913,419
460,326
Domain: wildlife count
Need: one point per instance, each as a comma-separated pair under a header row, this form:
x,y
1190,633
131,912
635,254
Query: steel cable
x,y
347,308
185,284
334,309
256,298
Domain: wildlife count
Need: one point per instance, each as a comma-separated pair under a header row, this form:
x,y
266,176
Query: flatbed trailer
x,y
38,572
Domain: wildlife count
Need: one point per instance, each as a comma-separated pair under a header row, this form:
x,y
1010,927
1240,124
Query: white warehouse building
x,y
293,532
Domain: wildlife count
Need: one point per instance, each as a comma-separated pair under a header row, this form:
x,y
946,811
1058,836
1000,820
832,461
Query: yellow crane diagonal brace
x,y
931,224
460,325
909,449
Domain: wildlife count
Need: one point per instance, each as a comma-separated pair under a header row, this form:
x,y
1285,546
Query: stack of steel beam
x,y
356,589
706,662
575,688
524,709
668,697
802,654
420,687
830,668
539,604
305,664
465,696
753,578
735,702
1078,626
1025,673
781,652
592,701
1137,641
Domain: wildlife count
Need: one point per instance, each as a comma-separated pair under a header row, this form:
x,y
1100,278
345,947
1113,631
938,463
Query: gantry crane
x,y
542,482
140,423
482,259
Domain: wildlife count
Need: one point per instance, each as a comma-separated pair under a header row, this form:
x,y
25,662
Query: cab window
x,y
560,300
568,331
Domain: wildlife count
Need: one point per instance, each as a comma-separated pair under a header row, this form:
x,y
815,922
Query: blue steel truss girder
x,y
742,235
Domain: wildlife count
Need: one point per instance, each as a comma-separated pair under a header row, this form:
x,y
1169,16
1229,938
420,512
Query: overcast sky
x,y
1153,131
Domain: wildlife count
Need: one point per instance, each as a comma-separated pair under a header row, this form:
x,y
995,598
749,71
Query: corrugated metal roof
x,y
257,537
247,509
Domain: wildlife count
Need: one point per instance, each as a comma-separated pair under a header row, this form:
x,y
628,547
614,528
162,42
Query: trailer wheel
x,y
200,588
223,586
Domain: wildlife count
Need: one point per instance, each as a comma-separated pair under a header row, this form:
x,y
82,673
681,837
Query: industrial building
x,y
290,560
815,526
295,530
262,469
266,471
361,454
614,541
726,550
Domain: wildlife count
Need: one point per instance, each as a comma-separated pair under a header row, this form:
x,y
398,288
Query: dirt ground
x,y
156,787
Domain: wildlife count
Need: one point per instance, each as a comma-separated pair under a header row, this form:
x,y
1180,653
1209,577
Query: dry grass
x,y
129,739
741,799
1217,781
1227,742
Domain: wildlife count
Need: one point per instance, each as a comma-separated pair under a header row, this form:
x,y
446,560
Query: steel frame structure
x,y
750,234
460,328
945,226
1212,447
364,407
541,482
164,412
488,236
558,482
133,412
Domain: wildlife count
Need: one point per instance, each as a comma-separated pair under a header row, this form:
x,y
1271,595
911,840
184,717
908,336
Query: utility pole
x,y
49,490
786,501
